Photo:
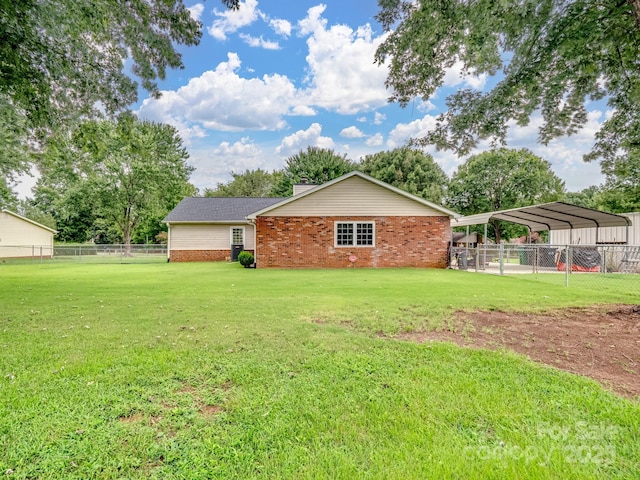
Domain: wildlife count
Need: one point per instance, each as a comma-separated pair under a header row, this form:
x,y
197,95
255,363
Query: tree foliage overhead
x,y
251,183
67,57
316,165
410,170
553,54
502,179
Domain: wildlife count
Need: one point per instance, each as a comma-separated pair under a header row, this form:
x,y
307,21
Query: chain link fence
x,y
88,253
592,266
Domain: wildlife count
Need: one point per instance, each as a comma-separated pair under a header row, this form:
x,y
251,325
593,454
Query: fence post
x,y
477,258
41,254
567,266
501,253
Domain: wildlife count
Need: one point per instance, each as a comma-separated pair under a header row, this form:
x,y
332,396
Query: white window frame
x,y
355,234
244,237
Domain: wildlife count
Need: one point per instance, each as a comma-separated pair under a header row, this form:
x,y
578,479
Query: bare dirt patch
x,y
601,342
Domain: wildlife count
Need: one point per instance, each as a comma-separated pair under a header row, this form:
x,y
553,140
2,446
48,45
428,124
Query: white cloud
x,y
222,100
242,149
374,140
25,183
455,76
403,132
564,153
351,132
303,111
302,139
214,165
230,21
196,11
426,106
361,119
259,42
313,20
281,26
378,118
342,75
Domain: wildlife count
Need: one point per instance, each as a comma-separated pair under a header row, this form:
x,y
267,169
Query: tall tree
x,y
621,190
63,60
316,165
251,183
502,179
551,56
28,210
129,173
411,170
588,197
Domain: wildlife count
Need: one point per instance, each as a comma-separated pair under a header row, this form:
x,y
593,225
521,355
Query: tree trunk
x,y
496,230
126,238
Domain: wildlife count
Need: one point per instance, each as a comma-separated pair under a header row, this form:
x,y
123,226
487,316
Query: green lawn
x,y
214,371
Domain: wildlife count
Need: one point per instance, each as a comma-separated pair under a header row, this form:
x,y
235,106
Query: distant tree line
x,y
498,179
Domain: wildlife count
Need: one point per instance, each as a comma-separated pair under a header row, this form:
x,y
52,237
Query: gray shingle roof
x,y
217,209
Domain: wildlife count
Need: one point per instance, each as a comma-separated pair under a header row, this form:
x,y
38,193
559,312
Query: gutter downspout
x,y
252,221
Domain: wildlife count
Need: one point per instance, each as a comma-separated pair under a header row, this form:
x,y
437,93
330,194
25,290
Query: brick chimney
x,y
303,186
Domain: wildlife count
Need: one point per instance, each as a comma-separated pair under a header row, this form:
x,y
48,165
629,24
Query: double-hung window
x,y
355,234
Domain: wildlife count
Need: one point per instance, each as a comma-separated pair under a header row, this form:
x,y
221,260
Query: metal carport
x,y
549,216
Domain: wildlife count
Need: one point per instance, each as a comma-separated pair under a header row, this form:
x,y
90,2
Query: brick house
x,y
351,220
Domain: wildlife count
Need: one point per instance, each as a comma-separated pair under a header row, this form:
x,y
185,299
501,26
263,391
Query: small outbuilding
x,y
21,237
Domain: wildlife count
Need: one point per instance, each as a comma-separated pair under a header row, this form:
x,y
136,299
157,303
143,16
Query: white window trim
x,y
355,234
244,236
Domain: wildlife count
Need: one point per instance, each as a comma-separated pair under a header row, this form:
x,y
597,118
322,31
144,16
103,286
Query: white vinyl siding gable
x,y
24,235
353,196
207,236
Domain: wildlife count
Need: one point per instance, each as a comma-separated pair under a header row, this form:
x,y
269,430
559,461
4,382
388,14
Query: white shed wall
x,y
587,236
207,236
19,238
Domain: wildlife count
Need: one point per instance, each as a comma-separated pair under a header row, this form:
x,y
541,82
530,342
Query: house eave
x,y
206,222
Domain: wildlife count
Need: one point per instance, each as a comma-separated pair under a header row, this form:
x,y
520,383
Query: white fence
x,y
88,253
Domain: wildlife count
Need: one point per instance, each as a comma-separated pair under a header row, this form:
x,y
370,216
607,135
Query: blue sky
x,y
280,75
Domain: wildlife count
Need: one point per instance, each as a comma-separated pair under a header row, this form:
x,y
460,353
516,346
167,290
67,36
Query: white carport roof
x,y
548,216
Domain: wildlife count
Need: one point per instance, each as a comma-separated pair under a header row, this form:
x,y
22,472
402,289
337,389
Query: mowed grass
x,y
214,371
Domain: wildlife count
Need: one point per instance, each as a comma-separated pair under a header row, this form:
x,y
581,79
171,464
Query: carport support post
x,y
484,242
466,244
501,253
